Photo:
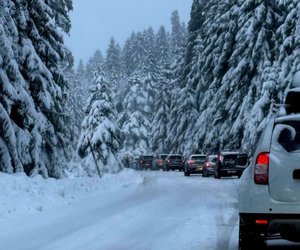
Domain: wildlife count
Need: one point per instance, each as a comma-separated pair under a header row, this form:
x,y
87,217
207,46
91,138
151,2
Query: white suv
x,y
269,190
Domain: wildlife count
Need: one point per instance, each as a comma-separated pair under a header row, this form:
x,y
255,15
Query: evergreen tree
x,y
162,48
99,129
112,63
159,129
93,65
134,122
31,35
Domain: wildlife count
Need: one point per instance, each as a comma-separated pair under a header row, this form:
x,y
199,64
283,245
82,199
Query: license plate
x,y
231,171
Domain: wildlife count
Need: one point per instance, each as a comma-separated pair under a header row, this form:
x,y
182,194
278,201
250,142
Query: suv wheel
x,y
249,239
186,173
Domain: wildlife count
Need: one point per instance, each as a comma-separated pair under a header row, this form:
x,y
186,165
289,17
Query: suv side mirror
x,y
242,160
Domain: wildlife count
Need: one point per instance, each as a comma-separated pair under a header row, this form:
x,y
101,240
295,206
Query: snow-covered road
x,y
165,211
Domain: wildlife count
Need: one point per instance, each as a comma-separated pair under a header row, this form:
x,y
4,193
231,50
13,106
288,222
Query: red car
x,y
209,166
160,161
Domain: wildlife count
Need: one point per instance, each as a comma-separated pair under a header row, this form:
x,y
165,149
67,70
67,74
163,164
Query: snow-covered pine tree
x,y
288,36
161,112
162,48
77,100
36,51
112,64
16,106
128,63
178,34
236,40
99,129
243,82
210,48
93,65
133,120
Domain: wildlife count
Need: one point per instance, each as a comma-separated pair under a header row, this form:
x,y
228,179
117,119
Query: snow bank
x,y
20,194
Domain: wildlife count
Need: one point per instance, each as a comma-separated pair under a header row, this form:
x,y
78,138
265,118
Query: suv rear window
x,y
148,157
201,159
289,137
175,157
229,160
163,156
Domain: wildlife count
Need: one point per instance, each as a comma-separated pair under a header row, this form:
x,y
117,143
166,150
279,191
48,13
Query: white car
x,y
269,189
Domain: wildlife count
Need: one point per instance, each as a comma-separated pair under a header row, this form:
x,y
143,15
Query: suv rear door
x,y
284,160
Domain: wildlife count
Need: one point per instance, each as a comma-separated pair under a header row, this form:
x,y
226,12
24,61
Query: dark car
x,y
146,162
241,163
194,164
173,162
225,165
160,161
209,166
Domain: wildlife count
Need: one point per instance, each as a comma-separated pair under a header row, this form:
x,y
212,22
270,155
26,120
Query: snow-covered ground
x,y
132,210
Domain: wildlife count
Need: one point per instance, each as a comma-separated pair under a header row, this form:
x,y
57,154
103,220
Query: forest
x,y
214,81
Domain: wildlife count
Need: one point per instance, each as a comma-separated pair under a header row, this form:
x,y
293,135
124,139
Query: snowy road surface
x,y
166,211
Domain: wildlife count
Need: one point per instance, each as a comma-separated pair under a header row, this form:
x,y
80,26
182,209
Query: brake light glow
x,y
191,161
263,159
221,157
261,171
261,222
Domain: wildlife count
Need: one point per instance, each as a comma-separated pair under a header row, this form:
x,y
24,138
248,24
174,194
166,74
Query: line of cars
x,y
166,162
222,165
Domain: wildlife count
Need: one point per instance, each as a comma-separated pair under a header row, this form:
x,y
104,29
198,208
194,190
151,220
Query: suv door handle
x,y
296,174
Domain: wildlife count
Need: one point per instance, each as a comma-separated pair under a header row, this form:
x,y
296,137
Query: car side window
x,y
289,136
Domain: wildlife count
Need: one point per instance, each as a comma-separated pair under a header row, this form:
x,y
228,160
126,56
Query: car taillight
x,y
191,161
221,157
159,161
261,171
168,161
261,222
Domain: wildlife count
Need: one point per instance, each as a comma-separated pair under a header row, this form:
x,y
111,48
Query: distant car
x,y
173,162
225,165
194,164
209,166
146,162
160,161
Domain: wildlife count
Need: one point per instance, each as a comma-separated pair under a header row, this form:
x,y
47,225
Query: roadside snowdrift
x,y
20,194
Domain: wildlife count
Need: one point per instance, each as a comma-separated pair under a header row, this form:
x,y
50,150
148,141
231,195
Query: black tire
x,y
186,173
249,239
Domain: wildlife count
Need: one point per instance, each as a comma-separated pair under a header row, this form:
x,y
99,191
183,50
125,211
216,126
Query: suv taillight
x,y
261,171
221,157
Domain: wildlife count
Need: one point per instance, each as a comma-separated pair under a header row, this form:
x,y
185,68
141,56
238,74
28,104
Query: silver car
x,y
269,190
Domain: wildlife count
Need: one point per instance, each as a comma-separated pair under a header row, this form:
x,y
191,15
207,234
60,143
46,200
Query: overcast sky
x,y
94,22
